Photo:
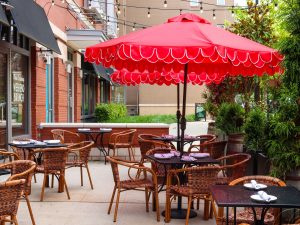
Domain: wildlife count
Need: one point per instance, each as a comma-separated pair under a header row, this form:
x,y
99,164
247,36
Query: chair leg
x,y
81,177
157,205
132,153
168,207
198,204
129,154
43,187
67,190
89,175
153,202
34,177
14,219
211,210
30,210
52,181
117,205
188,210
146,198
112,199
206,209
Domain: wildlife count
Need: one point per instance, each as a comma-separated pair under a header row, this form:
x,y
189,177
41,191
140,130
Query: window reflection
x,y
3,99
19,94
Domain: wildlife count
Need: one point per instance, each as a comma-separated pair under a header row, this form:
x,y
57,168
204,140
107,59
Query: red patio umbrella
x,y
185,49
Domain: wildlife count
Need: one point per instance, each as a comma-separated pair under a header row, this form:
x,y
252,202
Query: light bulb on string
x,y
52,3
133,28
108,19
119,10
180,11
214,14
232,11
90,3
201,7
149,14
62,1
276,6
165,4
118,28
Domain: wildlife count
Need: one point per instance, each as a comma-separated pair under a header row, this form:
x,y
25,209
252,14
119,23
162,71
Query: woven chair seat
x,y
77,162
41,169
246,216
139,183
119,145
186,191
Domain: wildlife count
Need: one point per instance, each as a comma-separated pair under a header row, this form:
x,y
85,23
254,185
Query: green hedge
x,y
105,112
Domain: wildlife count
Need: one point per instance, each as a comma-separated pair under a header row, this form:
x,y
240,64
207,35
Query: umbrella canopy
x,y
185,49
157,55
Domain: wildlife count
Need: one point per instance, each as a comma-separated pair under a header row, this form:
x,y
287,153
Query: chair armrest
x,y
9,154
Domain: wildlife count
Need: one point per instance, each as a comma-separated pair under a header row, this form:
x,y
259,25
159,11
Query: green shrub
x,y
255,129
112,111
230,118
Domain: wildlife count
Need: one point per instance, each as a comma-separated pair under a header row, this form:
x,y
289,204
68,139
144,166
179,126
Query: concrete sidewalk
x,y
89,207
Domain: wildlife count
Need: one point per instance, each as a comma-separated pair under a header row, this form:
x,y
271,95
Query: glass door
x,y
49,92
3,100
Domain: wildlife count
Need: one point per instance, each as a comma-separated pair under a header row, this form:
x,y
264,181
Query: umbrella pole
x,y
183,120
178,115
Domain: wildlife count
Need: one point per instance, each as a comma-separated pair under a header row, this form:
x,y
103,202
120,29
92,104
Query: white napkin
x,y
40,143
254,184
163,155
199,154
264,196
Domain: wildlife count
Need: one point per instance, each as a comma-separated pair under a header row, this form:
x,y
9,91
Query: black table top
x,y
33,146
239,196
177,139
98,131
178,161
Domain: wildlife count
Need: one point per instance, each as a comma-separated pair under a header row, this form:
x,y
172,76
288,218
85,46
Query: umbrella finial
x,y
188,17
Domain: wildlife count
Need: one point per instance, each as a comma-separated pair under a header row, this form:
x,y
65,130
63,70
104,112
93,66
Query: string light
x,y
62,1
276,6
108,19
90,3
232,11
52,3
133,28
118,28
180,11
201,7
148,15
165,4
214,14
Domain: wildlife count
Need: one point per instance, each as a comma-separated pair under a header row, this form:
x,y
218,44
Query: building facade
x,y
42,74
153,99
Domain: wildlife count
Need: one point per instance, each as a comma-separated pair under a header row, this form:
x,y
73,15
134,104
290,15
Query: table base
x,y
180,213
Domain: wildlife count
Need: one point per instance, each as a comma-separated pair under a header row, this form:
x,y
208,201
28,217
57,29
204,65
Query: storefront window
x,y
104,91
3,99
89,94
118,94
19,95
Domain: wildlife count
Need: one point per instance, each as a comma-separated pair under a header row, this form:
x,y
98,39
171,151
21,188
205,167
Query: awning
x,y
103,72
3,18
31,21
80,39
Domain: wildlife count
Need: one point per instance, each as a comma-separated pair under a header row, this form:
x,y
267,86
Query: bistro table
x,y
94,135
176,162
31,147
239,196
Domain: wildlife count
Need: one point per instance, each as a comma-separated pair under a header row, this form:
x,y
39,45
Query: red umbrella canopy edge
x,y
157,55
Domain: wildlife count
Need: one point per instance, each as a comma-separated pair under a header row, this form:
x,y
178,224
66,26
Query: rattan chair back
x,y
54,159
21,153
267,180
65,136
216,149
84,148
234,166
10,194
201,178
21,169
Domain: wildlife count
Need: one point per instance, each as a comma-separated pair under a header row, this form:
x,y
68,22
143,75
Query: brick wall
x,y
38,91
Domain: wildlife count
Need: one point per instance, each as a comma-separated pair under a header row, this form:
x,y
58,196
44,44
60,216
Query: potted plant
x,y
255,129
230,119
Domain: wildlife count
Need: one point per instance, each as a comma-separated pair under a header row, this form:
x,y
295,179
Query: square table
x,y
239,196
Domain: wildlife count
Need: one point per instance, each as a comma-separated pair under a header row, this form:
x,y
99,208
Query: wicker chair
x,y
233,167
199,179
54,163
122,139
246,215
204,138
10,194
146,183
22,169
10,155
146,143
63,135
23,154
82,151
216,149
